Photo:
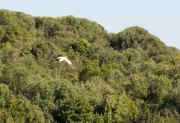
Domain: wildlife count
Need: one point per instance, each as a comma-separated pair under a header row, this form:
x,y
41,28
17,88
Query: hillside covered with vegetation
x,y
128,77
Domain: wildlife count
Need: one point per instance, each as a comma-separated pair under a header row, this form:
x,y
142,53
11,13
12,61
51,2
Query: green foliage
x,y
6,17
17,108
136,37
126,77
15,28
16,33
84,28
48,25
2,32
74,109
25,20
159,88
92,68
81,45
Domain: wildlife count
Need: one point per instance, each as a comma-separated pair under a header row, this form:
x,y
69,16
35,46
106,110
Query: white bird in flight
x,y
63,58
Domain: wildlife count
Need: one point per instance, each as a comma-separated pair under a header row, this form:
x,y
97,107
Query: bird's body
x,y
63,58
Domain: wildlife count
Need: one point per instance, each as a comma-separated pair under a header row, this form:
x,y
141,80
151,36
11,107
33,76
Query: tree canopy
x,y
131,76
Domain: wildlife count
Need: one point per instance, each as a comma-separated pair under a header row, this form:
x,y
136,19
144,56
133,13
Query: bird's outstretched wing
x,y
61,58
69,62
